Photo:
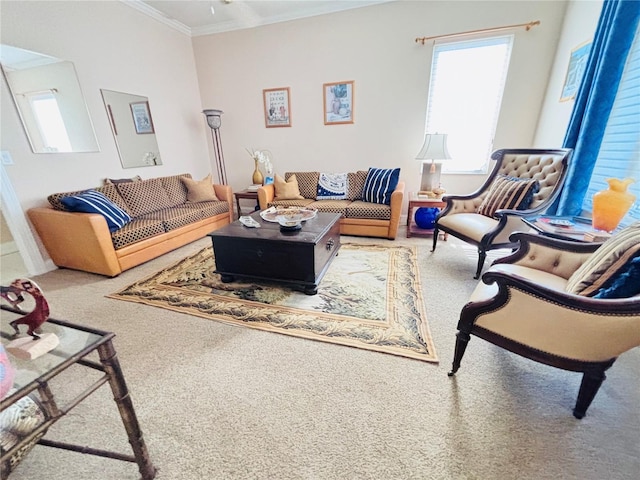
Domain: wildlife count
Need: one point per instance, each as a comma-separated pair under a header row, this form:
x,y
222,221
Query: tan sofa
x,y
358,217
163,220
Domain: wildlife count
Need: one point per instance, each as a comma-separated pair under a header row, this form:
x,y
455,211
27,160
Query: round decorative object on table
x,y
292,228
290,222
425,217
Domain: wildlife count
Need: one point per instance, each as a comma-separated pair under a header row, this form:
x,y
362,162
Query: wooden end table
x,y
246,194
418,202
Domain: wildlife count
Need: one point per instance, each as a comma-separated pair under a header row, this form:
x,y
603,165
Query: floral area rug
x,y
370,298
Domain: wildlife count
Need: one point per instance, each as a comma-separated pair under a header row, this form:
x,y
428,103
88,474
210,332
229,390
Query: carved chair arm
x,y
555,321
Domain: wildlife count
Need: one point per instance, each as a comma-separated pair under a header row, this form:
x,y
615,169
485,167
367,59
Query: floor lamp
x,y
214,122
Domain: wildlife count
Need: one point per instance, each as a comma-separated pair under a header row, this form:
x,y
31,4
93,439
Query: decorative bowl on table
x,y
271,214
290,220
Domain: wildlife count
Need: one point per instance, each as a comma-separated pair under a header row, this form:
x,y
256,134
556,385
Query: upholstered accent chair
x,y
527,303
523,182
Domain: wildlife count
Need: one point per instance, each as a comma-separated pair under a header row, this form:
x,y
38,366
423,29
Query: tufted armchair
x,y
469,218
527,305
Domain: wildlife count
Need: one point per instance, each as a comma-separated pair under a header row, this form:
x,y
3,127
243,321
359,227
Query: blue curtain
x,y
613,38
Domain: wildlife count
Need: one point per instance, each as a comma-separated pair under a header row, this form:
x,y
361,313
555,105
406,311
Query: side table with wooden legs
x,y
417,202
246,194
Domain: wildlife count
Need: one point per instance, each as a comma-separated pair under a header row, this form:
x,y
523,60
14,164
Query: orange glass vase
x,y
609,206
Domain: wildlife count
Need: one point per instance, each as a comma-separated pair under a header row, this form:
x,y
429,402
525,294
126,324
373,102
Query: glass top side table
x,y
33,376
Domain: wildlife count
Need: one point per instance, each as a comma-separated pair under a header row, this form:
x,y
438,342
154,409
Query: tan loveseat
x,y
359,218
163,220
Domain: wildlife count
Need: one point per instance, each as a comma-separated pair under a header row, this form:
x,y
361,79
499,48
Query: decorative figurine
x,y
37,344
39,315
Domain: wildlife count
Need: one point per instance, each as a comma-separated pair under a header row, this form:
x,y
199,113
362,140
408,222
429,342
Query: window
x,y
47,112
465,93
619,155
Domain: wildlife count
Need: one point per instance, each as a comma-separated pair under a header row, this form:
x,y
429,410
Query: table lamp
x,y
434,148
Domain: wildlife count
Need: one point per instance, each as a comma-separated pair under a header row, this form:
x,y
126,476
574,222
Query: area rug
x,y
370,298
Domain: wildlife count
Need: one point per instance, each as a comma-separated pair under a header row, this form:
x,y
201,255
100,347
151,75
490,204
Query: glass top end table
x,y
76,343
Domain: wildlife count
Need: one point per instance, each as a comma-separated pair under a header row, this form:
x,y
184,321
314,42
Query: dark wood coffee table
x,y
299,258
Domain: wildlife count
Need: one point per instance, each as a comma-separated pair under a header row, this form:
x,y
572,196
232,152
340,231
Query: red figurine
x,y
39,315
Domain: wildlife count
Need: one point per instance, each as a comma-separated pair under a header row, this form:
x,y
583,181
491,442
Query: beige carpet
x,y
370,298
218,402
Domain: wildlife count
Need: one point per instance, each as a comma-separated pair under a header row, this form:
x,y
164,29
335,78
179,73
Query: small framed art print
x,y
277,107
338,102
575,71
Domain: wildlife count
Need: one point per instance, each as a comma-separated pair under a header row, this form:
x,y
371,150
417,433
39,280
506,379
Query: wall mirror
x,y
49,100
132,126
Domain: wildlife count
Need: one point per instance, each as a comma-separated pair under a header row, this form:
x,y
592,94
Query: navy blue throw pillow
x,y
92,201
625,284
380,184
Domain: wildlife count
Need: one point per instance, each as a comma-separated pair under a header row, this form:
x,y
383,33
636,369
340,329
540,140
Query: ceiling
x,y
194,17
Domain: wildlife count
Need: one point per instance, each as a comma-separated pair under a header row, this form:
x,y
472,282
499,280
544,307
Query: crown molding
x,y
311,12
158,15
241,25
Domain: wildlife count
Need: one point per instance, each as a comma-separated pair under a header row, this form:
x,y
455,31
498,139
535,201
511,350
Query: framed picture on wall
x,y
277,107
338,102
575,71
142,117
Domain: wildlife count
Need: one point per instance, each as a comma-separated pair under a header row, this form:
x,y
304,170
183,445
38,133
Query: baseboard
x,y
7,248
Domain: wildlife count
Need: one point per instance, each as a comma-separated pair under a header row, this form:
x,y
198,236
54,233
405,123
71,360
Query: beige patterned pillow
x,y
605,262
108,181
175,188
144,197
356,184
287,190
307,182
199,191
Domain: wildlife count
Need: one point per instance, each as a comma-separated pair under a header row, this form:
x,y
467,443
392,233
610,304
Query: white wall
x,y
113,47
374,46
579,26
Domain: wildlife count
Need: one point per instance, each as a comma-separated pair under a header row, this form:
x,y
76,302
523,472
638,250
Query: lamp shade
x,y
213,118
434,147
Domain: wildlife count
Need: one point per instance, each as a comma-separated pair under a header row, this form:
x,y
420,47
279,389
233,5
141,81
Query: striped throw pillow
x,y
606,262
95,202
508,192
380,184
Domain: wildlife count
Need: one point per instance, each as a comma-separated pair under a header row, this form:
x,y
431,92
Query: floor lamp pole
x,y
214,122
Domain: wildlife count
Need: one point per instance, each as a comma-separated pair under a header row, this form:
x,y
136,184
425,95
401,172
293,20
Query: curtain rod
x,y
527,27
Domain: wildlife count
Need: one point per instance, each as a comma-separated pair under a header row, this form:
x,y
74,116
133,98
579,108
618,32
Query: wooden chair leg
x,y
435,237
591,381
482,255
462,340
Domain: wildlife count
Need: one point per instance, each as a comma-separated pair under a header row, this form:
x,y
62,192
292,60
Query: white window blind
x,y
465,93
619,155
